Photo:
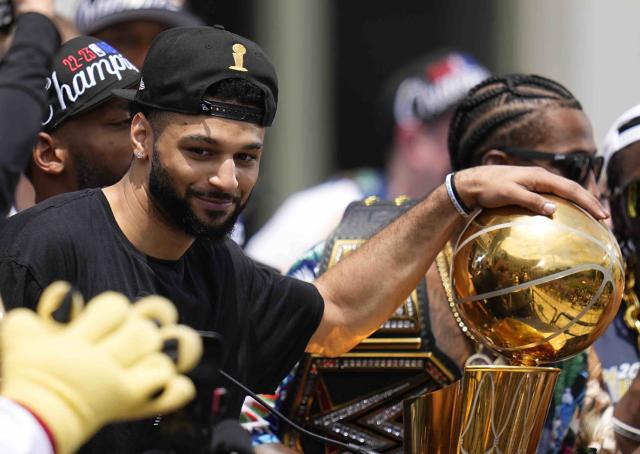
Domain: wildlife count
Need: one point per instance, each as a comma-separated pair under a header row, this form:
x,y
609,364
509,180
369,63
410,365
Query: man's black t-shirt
x,y
265,319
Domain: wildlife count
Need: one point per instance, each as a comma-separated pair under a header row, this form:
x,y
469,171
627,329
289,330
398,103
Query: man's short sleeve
x,y
285,312
36,249
18,287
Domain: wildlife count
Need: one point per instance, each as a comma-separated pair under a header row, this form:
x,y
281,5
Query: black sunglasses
x,y
574,166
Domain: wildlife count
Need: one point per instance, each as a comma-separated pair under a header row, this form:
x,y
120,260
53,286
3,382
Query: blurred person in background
x,y
515,120
63,159
612,423
419,99
131,25
66,28
85,138
23,71
24,193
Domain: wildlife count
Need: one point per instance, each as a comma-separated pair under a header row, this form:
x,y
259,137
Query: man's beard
x,y
176,211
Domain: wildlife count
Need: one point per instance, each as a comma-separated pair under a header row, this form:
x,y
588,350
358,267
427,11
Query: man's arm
x,y
627,412
364,289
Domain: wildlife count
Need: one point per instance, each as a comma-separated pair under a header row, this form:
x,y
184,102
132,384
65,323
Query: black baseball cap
x,y
85,71
184,62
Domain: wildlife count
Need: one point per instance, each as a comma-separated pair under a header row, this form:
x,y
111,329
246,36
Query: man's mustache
x,y
213,194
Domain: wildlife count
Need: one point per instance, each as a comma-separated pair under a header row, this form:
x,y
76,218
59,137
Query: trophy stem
x,y
431,421
493,409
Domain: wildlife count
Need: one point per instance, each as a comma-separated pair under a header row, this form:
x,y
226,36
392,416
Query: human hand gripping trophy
x,y
535,290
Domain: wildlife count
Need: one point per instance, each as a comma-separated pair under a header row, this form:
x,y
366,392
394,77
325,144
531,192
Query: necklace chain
x,y
443,264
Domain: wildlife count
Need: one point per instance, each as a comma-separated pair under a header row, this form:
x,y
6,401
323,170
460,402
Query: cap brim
x,y
125,93
170,18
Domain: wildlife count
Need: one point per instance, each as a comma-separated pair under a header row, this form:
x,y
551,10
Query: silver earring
x,y
138,154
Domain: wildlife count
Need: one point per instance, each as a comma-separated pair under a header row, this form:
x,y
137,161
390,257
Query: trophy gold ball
x,y
537,289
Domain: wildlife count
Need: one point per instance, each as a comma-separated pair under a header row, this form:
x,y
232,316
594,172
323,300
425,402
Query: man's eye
x,y
198,151
245,157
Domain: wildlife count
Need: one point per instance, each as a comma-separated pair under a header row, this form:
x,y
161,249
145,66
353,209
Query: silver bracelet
x,y
452,196
625,429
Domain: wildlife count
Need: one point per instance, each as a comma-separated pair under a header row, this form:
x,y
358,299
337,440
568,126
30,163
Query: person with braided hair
x,y
523,119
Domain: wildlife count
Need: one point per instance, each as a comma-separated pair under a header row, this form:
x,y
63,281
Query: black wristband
x,y
457,195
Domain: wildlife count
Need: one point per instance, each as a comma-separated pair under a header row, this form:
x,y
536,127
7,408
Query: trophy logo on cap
x,y
534,290
238,57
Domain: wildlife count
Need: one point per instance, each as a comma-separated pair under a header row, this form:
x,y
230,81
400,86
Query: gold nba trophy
x,y
535,290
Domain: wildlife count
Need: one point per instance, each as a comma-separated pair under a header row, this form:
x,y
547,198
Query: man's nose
x,y
225,179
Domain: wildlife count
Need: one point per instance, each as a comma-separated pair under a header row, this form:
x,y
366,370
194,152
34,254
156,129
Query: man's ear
x,y
141,136
48,155
494,157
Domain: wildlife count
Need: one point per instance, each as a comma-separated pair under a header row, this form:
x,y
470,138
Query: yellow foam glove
x,y
105,365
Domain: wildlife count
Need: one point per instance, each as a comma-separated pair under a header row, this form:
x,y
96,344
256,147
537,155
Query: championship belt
x,y
357,397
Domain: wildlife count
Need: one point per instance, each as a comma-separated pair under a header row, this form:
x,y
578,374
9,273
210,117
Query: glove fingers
x,y
183,345
60,303
151,374
158,309
20,326
177,393
132,341
104,314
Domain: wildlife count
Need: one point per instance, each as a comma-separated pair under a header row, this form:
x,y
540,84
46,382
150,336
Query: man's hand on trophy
x,y
496,186
110,361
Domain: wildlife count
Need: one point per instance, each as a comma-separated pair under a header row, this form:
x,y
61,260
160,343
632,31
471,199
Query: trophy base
x,y
493,409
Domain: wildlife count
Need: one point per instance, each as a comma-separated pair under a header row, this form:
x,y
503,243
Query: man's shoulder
x,y
230,259
57,217
62,204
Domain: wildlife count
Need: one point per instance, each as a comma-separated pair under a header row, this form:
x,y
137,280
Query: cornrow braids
x,y
499,112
